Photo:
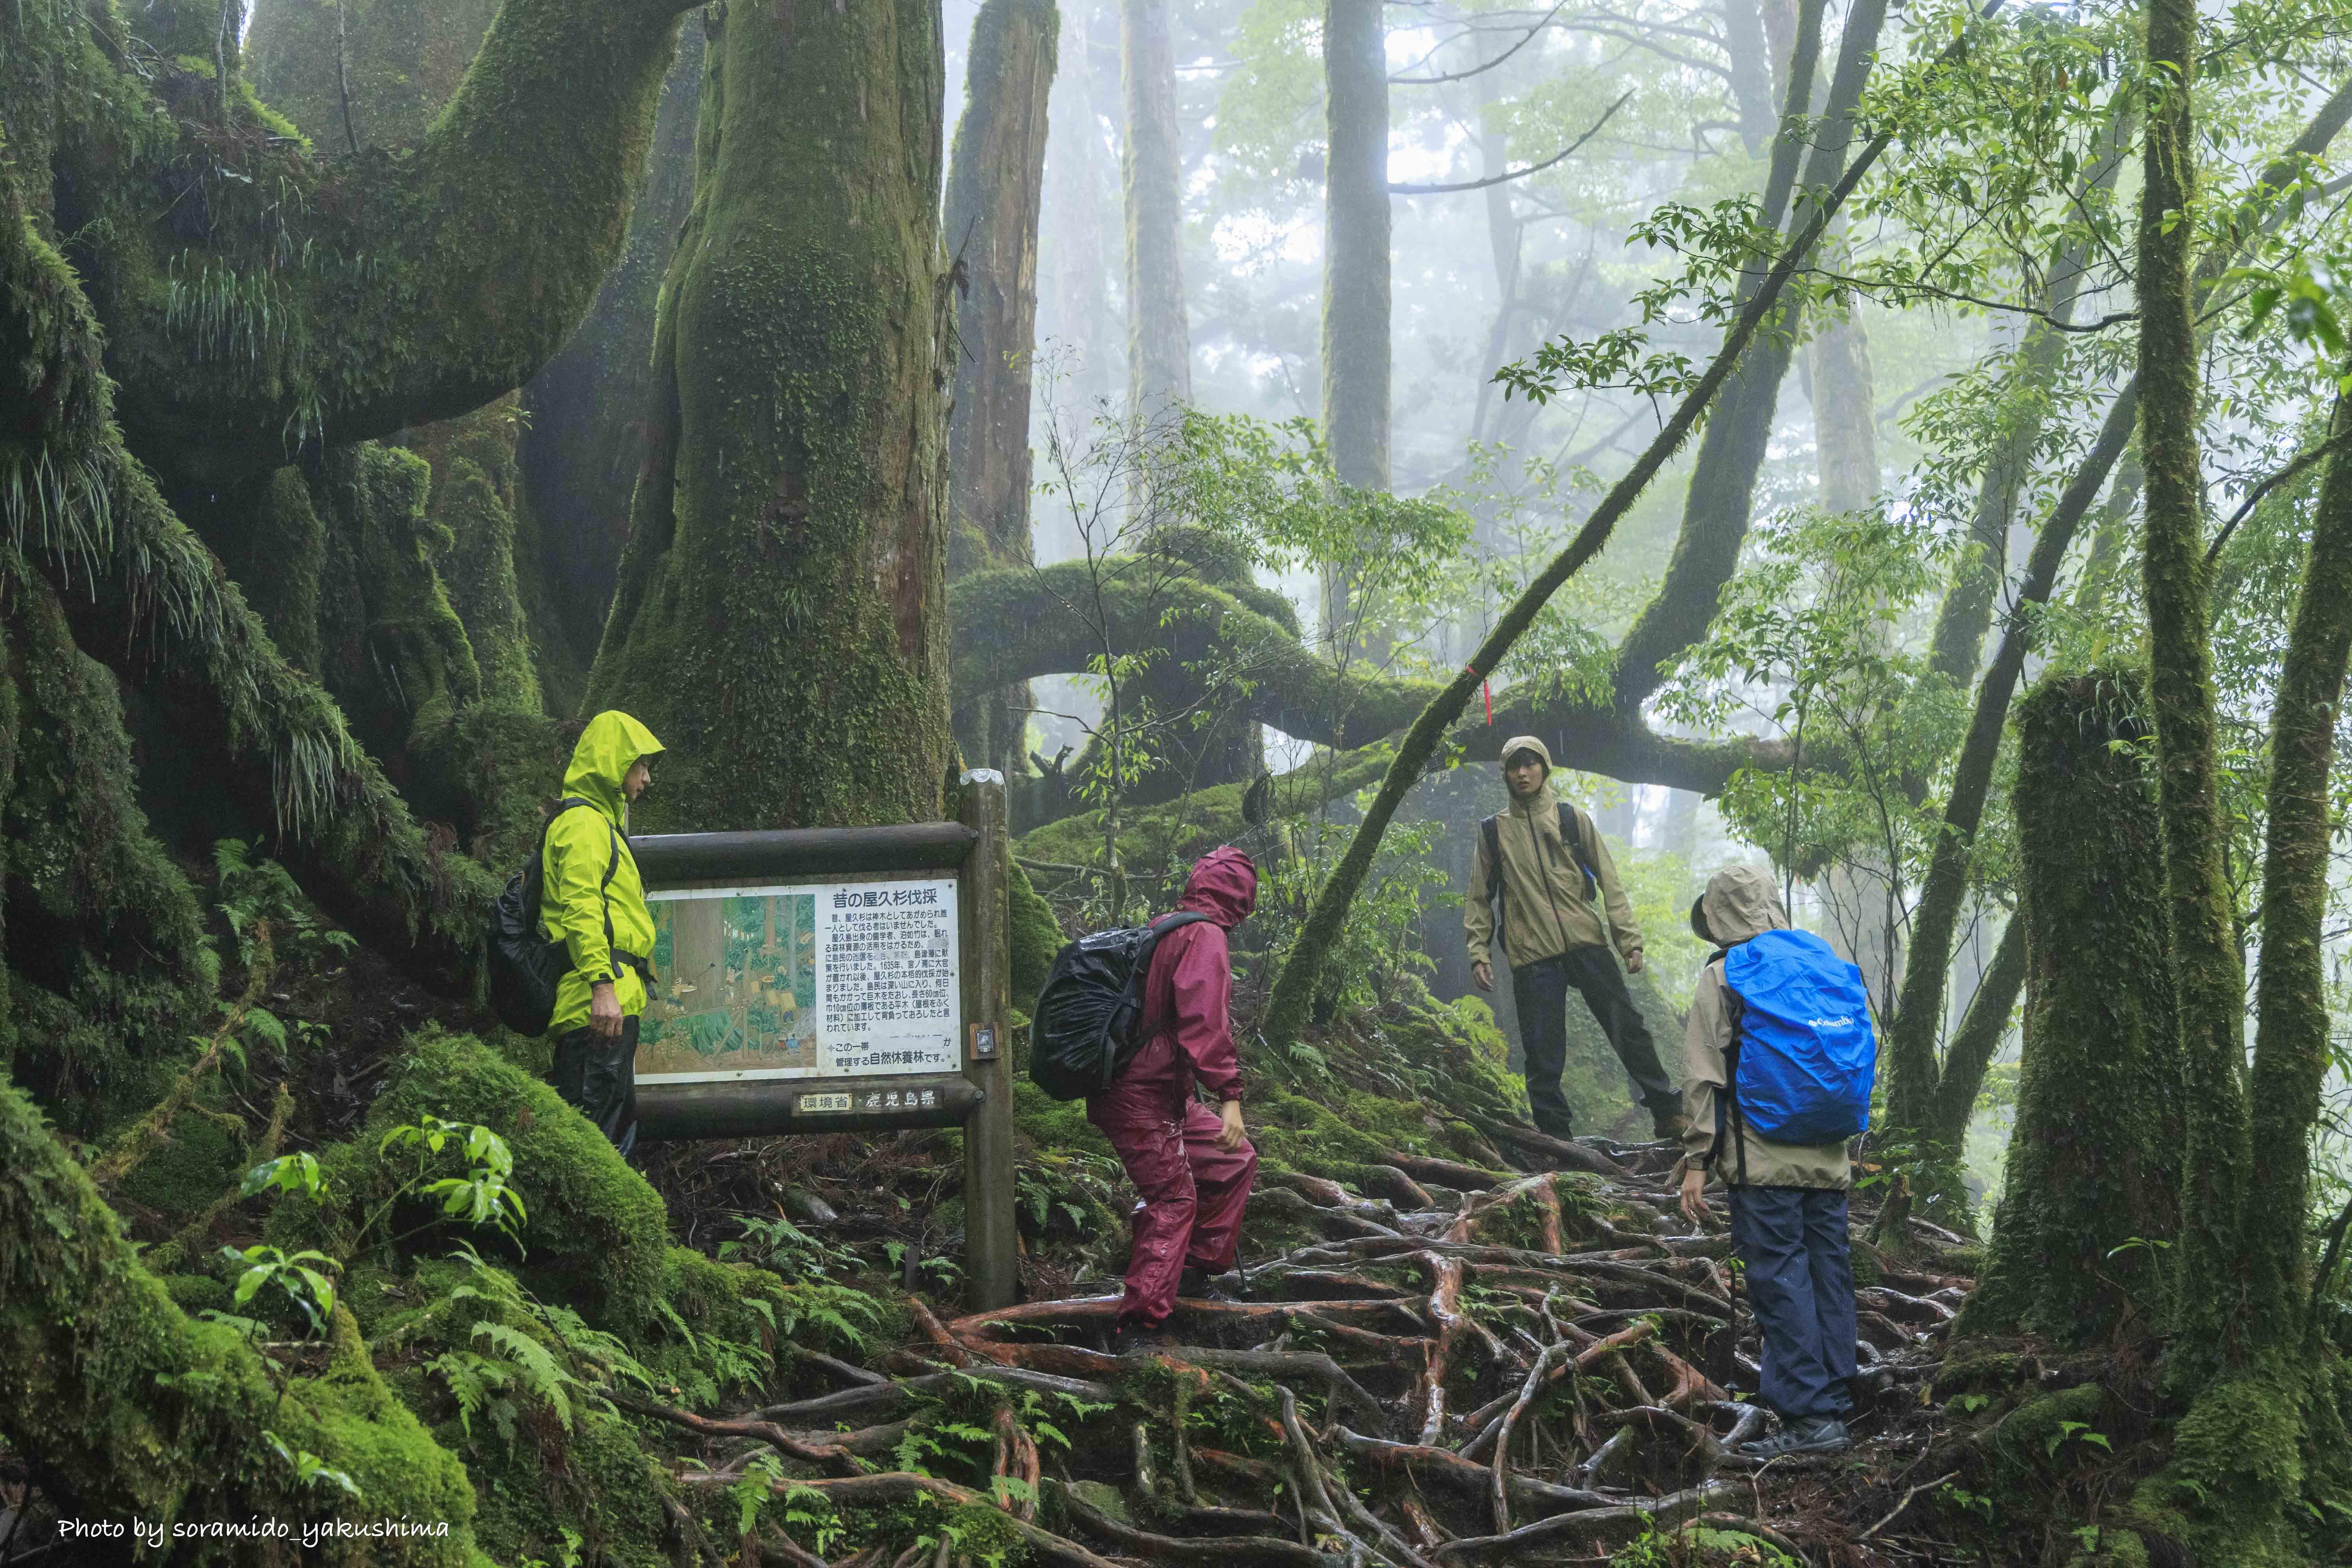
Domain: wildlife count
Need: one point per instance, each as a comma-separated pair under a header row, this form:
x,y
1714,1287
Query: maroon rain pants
x,y
1193,1194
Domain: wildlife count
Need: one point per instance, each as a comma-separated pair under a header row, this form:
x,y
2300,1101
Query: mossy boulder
x,y
601,1488
597,1235
144,1413
2256,1474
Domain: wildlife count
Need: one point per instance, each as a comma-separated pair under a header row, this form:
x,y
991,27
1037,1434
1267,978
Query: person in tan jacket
x,y
1787,1200
1547,869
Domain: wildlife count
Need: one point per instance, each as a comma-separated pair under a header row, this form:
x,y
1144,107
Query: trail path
x,y
1469,1367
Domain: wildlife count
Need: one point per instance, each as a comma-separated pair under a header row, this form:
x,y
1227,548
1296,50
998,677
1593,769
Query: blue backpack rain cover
x,y
1807,1054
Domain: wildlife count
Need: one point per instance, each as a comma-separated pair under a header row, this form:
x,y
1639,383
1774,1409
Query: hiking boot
x,y
1131,1338
1197,1284
1805,1435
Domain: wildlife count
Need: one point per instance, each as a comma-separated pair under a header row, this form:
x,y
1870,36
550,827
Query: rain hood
x,y
1740,901
1224,887
608,748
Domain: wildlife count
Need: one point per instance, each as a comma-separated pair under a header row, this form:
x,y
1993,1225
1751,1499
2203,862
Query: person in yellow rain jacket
x,y
594,905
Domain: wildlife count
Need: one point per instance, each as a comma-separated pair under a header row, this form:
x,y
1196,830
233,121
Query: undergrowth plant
x,y
506,1351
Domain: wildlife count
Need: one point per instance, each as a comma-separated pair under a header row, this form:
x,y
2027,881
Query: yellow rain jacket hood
x,y
583,843
1740,903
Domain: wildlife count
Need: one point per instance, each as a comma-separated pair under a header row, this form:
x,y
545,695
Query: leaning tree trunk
x,y
779,618
1159,340
2093,1160
996,183
1720,502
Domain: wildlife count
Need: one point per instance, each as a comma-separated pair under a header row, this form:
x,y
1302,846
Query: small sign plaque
x,y
824,1102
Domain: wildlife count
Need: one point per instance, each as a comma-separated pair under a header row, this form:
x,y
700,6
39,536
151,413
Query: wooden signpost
x,y
841,979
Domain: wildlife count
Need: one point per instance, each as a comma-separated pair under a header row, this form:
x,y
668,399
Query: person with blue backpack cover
x,y
1777,1070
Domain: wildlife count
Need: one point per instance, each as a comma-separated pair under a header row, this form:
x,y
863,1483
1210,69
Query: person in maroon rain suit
x,y
1193,1167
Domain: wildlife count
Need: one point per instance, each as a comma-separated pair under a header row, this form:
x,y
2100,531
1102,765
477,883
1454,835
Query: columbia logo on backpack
x,y
1804,1056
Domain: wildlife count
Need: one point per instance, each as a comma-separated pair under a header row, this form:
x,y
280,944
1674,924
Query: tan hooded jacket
x,y
1544,911
1740,903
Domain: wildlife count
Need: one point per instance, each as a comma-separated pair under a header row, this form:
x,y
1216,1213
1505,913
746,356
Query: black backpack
x,y
525,967
1571,833
1081,1034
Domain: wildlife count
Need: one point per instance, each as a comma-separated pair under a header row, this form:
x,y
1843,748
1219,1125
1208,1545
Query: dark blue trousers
x,y
1800,1269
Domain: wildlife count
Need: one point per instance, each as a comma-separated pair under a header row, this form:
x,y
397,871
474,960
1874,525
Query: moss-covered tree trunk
x,y
996,183
2093,1161
585,437
1151,166
779,618
2180,690
2291,1042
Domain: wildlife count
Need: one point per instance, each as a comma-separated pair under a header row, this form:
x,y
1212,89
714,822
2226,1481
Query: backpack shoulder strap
x,y
1727,1108
612,865
1573,827
604,894
1490,833
1175,920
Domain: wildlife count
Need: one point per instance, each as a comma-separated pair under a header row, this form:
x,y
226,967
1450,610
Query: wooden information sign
x,y
831,980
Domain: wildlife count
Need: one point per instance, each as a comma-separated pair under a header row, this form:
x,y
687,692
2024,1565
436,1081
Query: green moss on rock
x,y
2234,1490
597,1235
144,1413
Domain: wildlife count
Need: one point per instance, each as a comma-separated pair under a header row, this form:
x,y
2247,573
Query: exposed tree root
x,y
1479,1382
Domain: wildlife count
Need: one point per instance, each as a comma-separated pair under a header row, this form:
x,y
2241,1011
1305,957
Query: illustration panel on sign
x,y
806,980
737,985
